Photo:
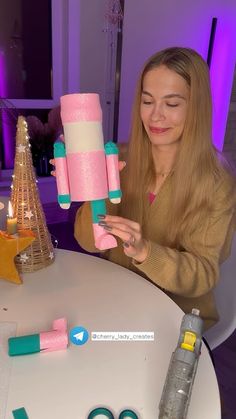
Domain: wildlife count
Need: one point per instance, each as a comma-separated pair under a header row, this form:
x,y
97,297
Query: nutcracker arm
x,y
54,340
62,180
113,174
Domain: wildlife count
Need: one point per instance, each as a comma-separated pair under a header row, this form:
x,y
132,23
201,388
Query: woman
x,y
177,215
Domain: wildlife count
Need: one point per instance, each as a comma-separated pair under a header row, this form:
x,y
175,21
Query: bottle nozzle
x,y
195,311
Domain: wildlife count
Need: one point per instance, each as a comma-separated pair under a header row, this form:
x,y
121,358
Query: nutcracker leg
x,y
103,240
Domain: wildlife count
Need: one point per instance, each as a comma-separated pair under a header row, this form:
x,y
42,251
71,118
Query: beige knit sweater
x,y
187,276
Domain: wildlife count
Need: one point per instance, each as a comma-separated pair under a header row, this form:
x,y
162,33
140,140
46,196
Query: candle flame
x,y
10,210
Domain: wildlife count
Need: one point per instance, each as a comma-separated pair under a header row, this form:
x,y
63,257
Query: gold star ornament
x,y
10,246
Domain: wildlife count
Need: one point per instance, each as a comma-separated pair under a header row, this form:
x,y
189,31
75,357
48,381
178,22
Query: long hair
x,y
197,167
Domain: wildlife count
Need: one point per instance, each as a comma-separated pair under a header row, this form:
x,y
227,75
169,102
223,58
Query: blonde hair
x,y
197,167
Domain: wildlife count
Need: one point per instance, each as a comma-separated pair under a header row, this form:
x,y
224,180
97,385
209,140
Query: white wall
x,y
97,58
92,45
151,25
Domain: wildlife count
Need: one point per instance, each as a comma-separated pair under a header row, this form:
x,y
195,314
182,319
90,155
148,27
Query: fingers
x,y
128,231
120,222
126,235
132,228
121,165
61,138
135,246
131,243
137,251
52,162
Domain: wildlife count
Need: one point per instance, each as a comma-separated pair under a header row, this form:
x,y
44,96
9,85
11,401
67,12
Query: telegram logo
x,y
79,335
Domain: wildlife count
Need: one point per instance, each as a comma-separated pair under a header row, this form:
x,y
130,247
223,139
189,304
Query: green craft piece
x,y
101,411
64,199
128,414
98,207
23,345
20,413
111,148
114,194
59,149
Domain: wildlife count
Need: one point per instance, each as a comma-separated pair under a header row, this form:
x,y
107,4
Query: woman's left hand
x,y
135,246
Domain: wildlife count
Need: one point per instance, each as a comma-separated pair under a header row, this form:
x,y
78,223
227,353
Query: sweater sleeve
x,y
195,270
83,230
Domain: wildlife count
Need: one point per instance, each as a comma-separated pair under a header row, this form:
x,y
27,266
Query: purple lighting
x,y
6,122
222,73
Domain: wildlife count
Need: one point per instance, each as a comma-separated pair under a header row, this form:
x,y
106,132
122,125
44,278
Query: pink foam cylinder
x,y
87,175
53,341
113,172
62,176
103,240
80,107
60,324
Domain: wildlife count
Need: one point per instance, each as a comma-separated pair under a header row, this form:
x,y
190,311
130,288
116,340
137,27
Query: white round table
x,y
100,296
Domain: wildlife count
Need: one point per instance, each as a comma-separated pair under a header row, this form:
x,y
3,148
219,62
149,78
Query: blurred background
x,y
53,47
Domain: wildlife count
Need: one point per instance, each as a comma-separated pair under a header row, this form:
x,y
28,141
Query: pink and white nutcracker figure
x,y
86,170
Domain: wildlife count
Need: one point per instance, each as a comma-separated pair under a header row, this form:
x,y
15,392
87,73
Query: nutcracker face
x,y
82,122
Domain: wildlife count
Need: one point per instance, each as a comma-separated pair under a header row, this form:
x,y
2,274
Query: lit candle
x,y
11,221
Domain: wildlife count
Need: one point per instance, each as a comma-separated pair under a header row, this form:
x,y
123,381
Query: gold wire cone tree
x,y
27,206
